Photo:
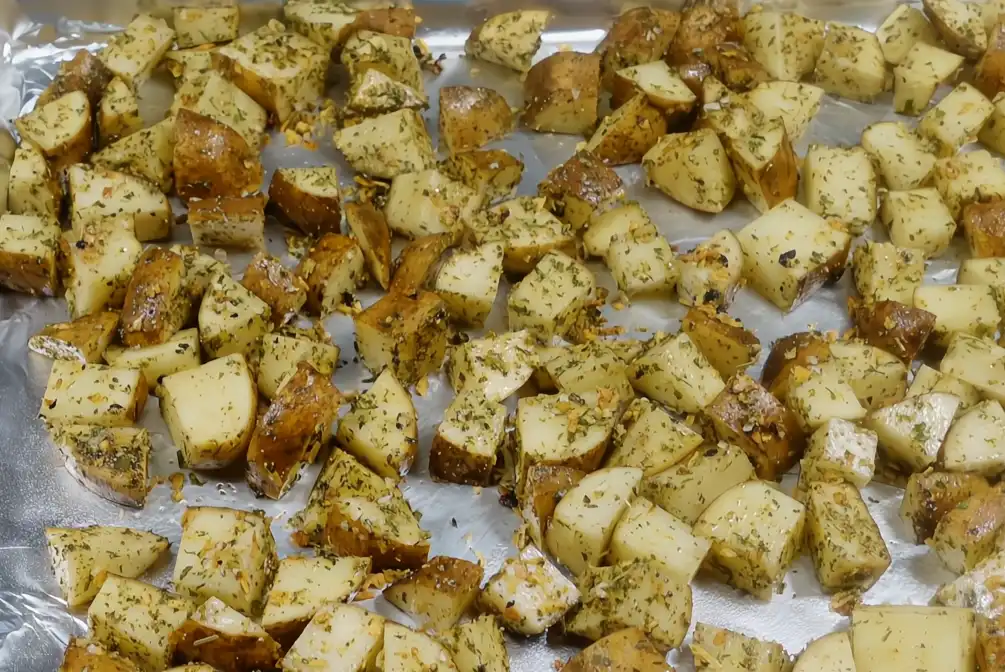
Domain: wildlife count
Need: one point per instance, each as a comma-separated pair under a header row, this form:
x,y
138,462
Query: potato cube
x,y
840,450
649,438
926,379
285,292
786,44
794,103
99,193
725,342
308,198
674,372
663,89
818,396
693,169
28,250
529,594
84,340
403,334
966,534
885,272
60,129
756,532
978,589
912,638
642,263
438,593
468,282
578,188
381,428
493,173
646,531
179,353
195,26
911,432
373,92
616,221
93,394
960,25
387,146
561,93
548,301
975,443
468,439
147,153
851,64
992,135
918,219
155,305
974,177
901,157
527,229
428,202
333,271
218,635
339,637
34,187
229,221
720,649
133,54
969,309
833,649
510,39
915,79
84,72
588,368
232,320
461,106
711,272
406,649
955,120
477,646
978,362
899,31
990,272
210,411
841,184
211,159
82,655
631,130
391,54
638,36
281,354
932,494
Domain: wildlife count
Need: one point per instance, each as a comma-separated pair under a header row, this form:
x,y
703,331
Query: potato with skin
x,y
966,534
628,650
332,270
960,25
806,348
404,334
528,231
82,655
786,44
308,197
155,305
283,351
84,72
61,129
366,50
989,77
381,428
578,188
509,39
84,339
98,193
765,164
467,441
710,274
528,594
562,93
640,35
984,229
649,438
93,394
374,92
471,117
899,329
673,371
931,495
693,169
388,145
211,159
439,593
231,318
29,247
111,462
133,53
663,88
702,26
725,342
972,177
468,282
284,291
369,228
955,120
147,153
33,188
718,649
477,646
795,103
418,263
885,272
628,132
235,642
492,173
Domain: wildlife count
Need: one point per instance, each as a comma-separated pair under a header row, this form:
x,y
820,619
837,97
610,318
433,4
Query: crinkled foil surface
x,y
35,490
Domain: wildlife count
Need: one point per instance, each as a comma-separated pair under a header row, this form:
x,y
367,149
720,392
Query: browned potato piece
x,y
348,536
701,28
562,93
578,188
278,286
296,426
308,197
736,68
417,263
84,72
805,348
990,643
628,133
990,74
726,343
408,335
984,229
765,163
890,325
396,21
333,270
747,415
543,486
438,593
212,159
62,129
493,173
472,117
640,35
627,650
663,87
224,640
369,227
84,656
930,495
84,339
228,221
156,305
693,71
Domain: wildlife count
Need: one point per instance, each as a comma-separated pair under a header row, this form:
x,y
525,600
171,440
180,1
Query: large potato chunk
x,y
580,187
625,135
663,88
711,272
374,92
976,361
82,655
339,637
210,411
967,534
649,438
212,159
285,292
765,164
133,54
627,650
562,93
795,103
147,154
98,193
493,173
969,309
918,219
960,25
674,372
955,120
468,282
885,272
647,531
786,44
912,638
155,306
510,39
903,160
984,229
219,635
529,594
111,462
901,29
693,169
33,188
428,202
726,343
61,129
231,318
549,300
308,197
496,366
99,263
972,177
332,270
851,64
931,495
919,75
228,221
976,441
93,394
840,184
388,145
477,646
28,250
911,432
640,35
392,55
403,334
369,227
528,230
381,428
84,72
471,117
439,593
406,650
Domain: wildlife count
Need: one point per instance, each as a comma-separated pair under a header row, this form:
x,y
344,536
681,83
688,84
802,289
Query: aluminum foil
x,y
36,491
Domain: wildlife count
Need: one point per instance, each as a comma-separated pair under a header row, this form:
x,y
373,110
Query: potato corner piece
x,y
711,272
179,353
155,304
976,361
529,594
33,188
467,441
649,438
406,649
979,589
328,24
960,25
542,487
786,44
332,271
840,184
989,76
765,165
582,186
495,366
212,159
133,54
403,334
510,39
756,532
885,272
84,72
919,219
970,309
820,394
146,153
919,75
437,594
83,557
195,26
392,55
674,372
224,102
662,86
369,227
974,443
82,655
717,648
236,643
930,495
282,352
984,229
308,197
338,637
231,318
468,282
795,103
387,146
693,169
877,377
833,650
642,263
283,71
471,117
427,202
374,92
84,339
279,287
955,120
61,129
726,343
528,230
911,432
912,637
93,394
702,26
98,193
628,650
28,251
901,29
588,368
646,531
562,92
625,135
900,330
210,411
381,428
851,64
926,379
492,173
477,646
967,534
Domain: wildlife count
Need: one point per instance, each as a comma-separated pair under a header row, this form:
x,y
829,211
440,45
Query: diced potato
x,y
917,76
756,532
34,188
911,432
99,193
786,44
912,638
543,486
646,531
901,157
561,93
219,635
428,202
332,269
693,169
616,221
510,39
381,428
477,646
60,129
899,31
227,104
155,305
369,228
28,254
885,272
992,135
631,130
639,35
851,64
493,173
387,146
642,263
711,272
918,219
133,54
878,378
674,372
927,379
284,291
411,343
339,637
703,26
212,159
955,120
147,153
983,229
232,320
528,230
93,394
439,593
795,103
973,177
930,495
830,653
969,309
83,655
529,594
728,346
84,72
649,438
84,340
417,263
687,488
840,184
328,24
663,88
195,26
406,650
580,187
960,25
720,649
496,366
471,117
840,450
817,396
628,650
200,269
468,282
976,441
374,92
99,261
765,164
308,197
978,362
178,353
979,589
548,301
791,252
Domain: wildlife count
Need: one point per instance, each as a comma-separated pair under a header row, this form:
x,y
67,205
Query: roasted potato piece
x,y
992,135
971,309
374,92
562,92
973,177
236,643
885,272
84,339
223,101
927,379
619,220
664,89
84,72
147,154
628,133
765,165
795,103
851,64
211,159
366,50
477,646
912,637
543,486
974,443
966,534
404,334
332,270
468,282
901,157
427,202
467,441
733,65
284,291
93,394
984,228
28,252
955,120
281,353
328,24
918,219
179,353
642,262
839,450
899,329
97,193
195,26
649,438
899,31
61,130
308,197
931,495
492,173
711,272
638,36
805,348
133,54
646,531
549,299
841,184
155,305
578,188
877,377
919,74
702,26
381,428
471,117
339,636
82,655
510,39
369,227
673,371
437,594
33,188
819,395
976,361
495,366
786,44
231,318
728,346
693,169
717,648
989,77
388,145
396,21
960,25
911,431
529,594
628,650
528,231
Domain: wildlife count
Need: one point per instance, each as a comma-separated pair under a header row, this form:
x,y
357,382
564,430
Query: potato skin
x,y
84,72
471,117
938,493
317,265
368,225
278,286
638,36
450,464
583,177
701,28
314,215
396,21
804,348
541,489
84,656
984,228
230,653
627,650
989,77
155,306
212,159
345,536
890,325
736,68
633,130
418,261
566,84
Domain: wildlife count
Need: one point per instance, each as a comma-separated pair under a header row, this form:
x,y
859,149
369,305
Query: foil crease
x,y
36,491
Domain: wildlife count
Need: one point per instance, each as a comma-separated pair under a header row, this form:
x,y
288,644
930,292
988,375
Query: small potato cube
x,y
728,346
973,177
626,650
976,361
801,349
28,250
918,219
902,159
215,537
195,26
912,638
391,54
642,263
791,252
765,164
549,299
955,120
284,291
403,334
231,319
477,646
281,354
155,305
83,655
93,394
34,188
529,594
966,534
60,129
308,197
927,379
646,531
979,589
629,132
984,229
687,488
496,366
841,184
387,146
720,649
649,438
932,494
851,64
179,353
562,92
218,635
885,272
406,650
527,229
674,372
381,429
786,44
137,620
438,593
580,187
848,551
98,193
817,396
133,54
976,441
911,432
590,367
228,221
374,92
284,72
200,269
99,263
338,637
147,153
663,88
969,309
493,173
84,72
899,31
915,79
840,450
84,340
510,39
369,227
960,25
468,282
303,585
467,441
472,117
795,103
542,488
756,532
616,221
428,202
693,169
878,378
210,411
333,269
711,272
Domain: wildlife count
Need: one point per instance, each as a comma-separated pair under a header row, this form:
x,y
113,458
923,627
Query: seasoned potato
x,y
93,394
975,443
235,642
468,282
406,650
388,145
392,55
911,431
628,132
428,202
561,93
901,157
615,221
82,655
155,305
795,103
702,26
693,169
543,486
786,44
955,120
308,197
647,531
84,339
418,262
899,31
984,229
911,637
211,159
411,343
527,229
931,495
98,193
927,379
381,428
960,25
493,173
663,88
973,177
627,650
231,319
806,348
529,594
477,646
728,346
877,377
179,353
966,534
765,164
147,154
471,117
328,24
582,186
510,39
818,395
831,652
210,411
976,361
918,75
437,594
720,649
638,36
588,368
992,135
495,366
642,262
84,72
338,637
840,184
332,270
61,129
851,64
282,352
223,101
374,92
28,257
649,438
892,326
278,286
839,450
195,26
34,188
919,219
711,272
467,441
979,589
548,301
200,269
132,54
970,309
885,272
674,372
296,426
369,228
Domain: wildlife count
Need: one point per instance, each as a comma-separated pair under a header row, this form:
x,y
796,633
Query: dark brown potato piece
x,y
931,495
471,117
702,27
562,92
194,642
640,35
313,213
627,650
278,286
736,68
212,159
84,72
156,305
418,261
984,229
397,21
805,348
990,74
574,190
890,325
